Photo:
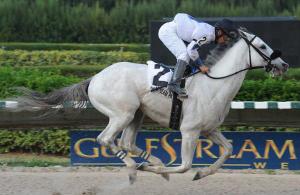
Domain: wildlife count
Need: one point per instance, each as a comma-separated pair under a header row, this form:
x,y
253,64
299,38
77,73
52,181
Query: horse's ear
x,y
242,34
243,31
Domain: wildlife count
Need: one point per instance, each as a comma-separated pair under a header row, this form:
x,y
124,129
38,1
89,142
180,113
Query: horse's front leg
x,y
218,138
188,145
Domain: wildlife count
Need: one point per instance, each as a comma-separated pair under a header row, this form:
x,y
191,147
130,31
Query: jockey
x,y
185,28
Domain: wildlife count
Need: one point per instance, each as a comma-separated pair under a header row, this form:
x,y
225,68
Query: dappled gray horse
x,y
122,93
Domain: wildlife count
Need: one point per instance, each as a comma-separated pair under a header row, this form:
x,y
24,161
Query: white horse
x,y
121,92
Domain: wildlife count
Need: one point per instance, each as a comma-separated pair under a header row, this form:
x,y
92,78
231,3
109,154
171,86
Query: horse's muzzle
x,y
285,66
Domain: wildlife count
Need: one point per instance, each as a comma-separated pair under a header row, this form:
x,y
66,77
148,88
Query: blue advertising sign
x,y
256,150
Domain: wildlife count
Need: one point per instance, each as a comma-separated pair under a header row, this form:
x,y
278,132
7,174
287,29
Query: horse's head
x,y
260,54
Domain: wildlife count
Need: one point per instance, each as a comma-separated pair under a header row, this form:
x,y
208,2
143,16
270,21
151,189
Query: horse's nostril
x,y
285,65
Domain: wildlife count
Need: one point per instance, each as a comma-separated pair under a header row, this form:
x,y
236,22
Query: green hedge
x,y
139,48
269,90
36,141
292,73
43,81
56,57
66,70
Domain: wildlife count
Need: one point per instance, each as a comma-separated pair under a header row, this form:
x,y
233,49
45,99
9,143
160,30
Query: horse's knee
x,y
107,137
127,146
229,150
104,140
126,143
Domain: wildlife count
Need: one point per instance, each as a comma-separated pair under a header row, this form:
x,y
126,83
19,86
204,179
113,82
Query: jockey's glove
x,y
201,66
204,69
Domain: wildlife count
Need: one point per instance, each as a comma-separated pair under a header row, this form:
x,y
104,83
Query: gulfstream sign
x,y
260,150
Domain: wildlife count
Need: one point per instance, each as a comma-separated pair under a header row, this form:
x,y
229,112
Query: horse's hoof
x,y
202,173
197,176
141,166
132,178
132,175
166,176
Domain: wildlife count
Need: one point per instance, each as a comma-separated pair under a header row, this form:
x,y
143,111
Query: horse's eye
x,y
263,47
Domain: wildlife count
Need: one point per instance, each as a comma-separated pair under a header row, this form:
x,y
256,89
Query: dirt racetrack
x,y
111,181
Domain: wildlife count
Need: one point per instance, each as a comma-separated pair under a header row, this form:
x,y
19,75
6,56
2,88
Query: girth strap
x,y
176,110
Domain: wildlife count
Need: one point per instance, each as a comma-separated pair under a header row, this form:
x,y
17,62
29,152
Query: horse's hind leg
x,y
218,138
120,106
107,138
128,142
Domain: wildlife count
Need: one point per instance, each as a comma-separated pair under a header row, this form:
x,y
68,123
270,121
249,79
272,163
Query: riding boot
x,y
174,84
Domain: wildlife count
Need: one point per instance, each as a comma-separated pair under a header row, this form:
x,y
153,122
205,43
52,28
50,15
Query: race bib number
x,y
158,75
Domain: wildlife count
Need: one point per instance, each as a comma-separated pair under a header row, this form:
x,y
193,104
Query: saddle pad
x,y
158,76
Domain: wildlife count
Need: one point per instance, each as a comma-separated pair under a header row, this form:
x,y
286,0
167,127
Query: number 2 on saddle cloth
x,y
166,69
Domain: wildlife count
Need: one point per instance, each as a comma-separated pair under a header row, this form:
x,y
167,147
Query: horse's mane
x,y
218,52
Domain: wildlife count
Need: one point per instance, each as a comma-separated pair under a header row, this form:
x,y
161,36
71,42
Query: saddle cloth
x,y
158,75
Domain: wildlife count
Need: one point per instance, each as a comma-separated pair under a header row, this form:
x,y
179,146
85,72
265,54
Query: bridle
x,y
268,67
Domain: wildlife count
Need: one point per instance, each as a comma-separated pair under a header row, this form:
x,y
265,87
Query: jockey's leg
x,y
108,136
168,35
188,145
175,82
128,142
218,138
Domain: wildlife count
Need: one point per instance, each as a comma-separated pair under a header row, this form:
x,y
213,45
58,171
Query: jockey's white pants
x,y
168,35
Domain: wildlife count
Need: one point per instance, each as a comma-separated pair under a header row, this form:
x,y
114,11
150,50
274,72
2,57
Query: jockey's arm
x,y
200,37
192,50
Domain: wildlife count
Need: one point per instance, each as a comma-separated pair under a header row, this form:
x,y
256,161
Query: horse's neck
x,y
234,60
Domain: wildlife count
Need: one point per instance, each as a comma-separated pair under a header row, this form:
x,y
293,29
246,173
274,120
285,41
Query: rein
x,y
223,77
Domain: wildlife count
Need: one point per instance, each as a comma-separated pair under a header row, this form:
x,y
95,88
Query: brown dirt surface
x,y
59,180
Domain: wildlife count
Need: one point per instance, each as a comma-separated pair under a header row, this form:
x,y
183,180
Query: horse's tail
x,y
72,96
